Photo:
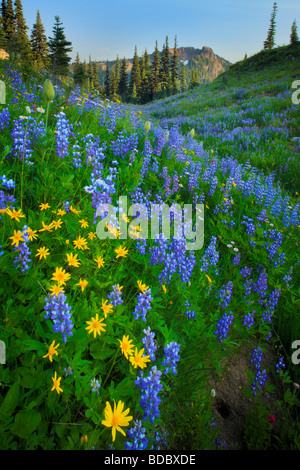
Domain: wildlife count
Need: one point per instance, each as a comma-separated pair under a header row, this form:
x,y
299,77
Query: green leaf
x,y
11,399
26,422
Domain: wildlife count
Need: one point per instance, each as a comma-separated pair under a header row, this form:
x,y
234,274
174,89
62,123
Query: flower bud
x,y
147,126
192,133
49,91
28,110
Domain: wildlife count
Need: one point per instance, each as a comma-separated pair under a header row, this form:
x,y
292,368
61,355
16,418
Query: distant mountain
x,y
208,64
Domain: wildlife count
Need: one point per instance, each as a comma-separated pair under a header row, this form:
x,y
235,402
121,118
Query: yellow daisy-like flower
x,y
75,211
164,288
142,286
15,214
57,224
43,207
46,228
42,252
17,238
138,360
73,260
82,284
32,234
121,252
52,351
56,384
125,218
95,326
126,346
83,223
106,308
80,243
56,289
61,212
99,261
116,418
60,276
91,235
114,231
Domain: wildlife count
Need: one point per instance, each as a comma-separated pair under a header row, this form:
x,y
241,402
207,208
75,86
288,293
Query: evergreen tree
x,y
270,41
95,76
174,67
3,42
39,45
182,78
135,76
155,72
21,43
107,85
59,49
294,35
165,68
194,79
79,76
9,24
123,83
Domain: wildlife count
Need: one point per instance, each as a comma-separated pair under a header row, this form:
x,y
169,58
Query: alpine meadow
x,y
149,251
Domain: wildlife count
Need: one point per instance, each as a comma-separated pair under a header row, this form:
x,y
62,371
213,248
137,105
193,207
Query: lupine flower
x,y
171,357
137,434
115,295
143,305
60,313
149,343
150,388
223,326
95,385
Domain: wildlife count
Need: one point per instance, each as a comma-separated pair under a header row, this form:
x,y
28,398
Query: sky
x,y
105,29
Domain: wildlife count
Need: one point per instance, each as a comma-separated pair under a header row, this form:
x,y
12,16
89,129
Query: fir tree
x,y
3,42
165,68
79,76
294,35
9,24
174,67
182,78
95,76
39,45
123,83
21,43
59,49
270,41
145,89
107,85
135,76
194,79
155,72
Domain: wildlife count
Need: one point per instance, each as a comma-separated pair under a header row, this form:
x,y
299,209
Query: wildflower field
x,y
119,343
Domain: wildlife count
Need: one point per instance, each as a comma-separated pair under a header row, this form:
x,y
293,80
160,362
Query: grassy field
x,y
128,342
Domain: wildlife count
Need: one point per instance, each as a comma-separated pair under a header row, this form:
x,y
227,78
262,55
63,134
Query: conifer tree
x,y
95,76
123,83
9,24
79,76
145,89
270,41
3,42
21,43
107,84
194,79
182,78
165,68
59,49
174,67
294,35
155,72
135,76
39,45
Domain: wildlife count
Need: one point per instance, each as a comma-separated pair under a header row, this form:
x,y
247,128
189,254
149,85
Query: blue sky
x,y
107,28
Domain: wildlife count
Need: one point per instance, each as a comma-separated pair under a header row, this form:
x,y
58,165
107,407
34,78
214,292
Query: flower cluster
x,y
138,436
60,313
143,305
63,132
115,295
171,357
149,343
223,326
150,388
22,259
260,377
